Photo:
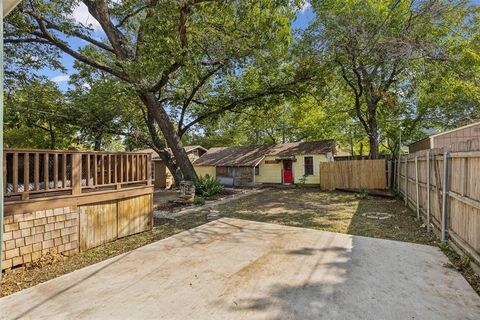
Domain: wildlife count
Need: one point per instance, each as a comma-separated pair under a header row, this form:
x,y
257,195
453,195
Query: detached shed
x,y
285,163
466,138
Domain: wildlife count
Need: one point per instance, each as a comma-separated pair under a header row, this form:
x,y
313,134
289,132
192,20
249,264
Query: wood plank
x,y
46,176
36,171
88,173
55,171
121,169
83,229
64,170
15,172
102,169
115,169
26,173
127,170
109,168
76,181
95,170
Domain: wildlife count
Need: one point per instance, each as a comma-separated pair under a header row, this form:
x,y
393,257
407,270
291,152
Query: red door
x,y
287,172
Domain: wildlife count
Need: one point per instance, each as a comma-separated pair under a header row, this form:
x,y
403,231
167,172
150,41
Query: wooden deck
x,y
44,179
70,201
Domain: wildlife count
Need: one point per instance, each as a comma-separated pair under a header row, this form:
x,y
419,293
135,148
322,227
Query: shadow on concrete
x,y
57,293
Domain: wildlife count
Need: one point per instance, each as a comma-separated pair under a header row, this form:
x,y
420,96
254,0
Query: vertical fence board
x,y
448,196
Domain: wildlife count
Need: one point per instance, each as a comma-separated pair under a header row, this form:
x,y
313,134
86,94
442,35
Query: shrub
x,y
207,186
302,181
199,201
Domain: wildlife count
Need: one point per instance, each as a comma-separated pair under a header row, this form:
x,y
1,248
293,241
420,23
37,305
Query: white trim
x,y
197,147
313,164
259,161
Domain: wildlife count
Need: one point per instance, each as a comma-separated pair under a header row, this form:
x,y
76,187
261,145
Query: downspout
x,y
8,6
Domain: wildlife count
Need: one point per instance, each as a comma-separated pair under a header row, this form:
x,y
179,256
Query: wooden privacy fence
x,y
444,189
354,174
69,200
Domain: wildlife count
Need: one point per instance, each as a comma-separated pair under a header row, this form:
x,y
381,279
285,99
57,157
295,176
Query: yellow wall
x,y
298,169
204,170
272,173
269,173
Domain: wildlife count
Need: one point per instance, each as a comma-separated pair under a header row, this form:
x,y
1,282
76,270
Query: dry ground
x,y
302,207
331,211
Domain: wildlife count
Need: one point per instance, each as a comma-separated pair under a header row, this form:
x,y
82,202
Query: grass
x,y
329,211
54,265
462,265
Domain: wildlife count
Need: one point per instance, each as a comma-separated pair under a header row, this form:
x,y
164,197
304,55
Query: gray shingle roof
x,y
251,155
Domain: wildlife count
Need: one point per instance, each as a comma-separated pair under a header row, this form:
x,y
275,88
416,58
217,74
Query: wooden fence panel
x,y
354,174
98,224
134,215
462,203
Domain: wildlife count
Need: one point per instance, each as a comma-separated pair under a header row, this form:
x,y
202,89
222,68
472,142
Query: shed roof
x,y
251,155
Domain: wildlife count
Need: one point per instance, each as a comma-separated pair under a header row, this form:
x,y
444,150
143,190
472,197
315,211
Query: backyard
x,y
298,207
331,211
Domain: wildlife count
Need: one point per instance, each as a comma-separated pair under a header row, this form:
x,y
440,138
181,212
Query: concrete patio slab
x,y
237,269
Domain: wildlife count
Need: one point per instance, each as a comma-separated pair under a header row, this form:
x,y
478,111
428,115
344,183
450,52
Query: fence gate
x,y
354,174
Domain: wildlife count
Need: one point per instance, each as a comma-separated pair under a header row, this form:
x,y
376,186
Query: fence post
x,y
416,188
76,173
428,191
444,197
394,181
406,180
398,174
389,174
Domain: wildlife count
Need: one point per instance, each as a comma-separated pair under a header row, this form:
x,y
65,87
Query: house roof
x,y
250,156
187,150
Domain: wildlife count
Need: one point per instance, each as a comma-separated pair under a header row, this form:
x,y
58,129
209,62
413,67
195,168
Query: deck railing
x,y
36,174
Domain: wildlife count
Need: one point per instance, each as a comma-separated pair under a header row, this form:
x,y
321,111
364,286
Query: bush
x,y
199,201
207,186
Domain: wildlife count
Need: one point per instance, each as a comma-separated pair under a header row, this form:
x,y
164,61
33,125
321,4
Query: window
x,y
153,170
308,166
257,170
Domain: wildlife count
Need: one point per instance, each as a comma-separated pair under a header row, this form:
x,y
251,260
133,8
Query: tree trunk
x,y
98,142
373,140
373,134
52,136
173,140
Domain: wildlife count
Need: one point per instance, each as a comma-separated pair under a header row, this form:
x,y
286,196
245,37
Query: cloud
x,y
62,78
81,15
305,6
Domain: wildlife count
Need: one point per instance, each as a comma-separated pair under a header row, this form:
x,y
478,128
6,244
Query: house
x,y
284,163
162,178
466,138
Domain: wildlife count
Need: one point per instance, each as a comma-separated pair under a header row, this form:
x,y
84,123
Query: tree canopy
x,y
164,73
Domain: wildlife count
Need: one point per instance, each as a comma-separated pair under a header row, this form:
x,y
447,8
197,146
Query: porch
x,y
70,201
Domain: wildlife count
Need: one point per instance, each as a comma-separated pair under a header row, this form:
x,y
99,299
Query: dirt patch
x,y
331,211
55,265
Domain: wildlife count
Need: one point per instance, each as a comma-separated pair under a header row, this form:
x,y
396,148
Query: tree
x,y
34,117
379,48
156,49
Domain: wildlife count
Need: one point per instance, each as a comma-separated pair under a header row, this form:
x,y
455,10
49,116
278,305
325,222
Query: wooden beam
x,y
19,207
36,171
15,172
26,174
